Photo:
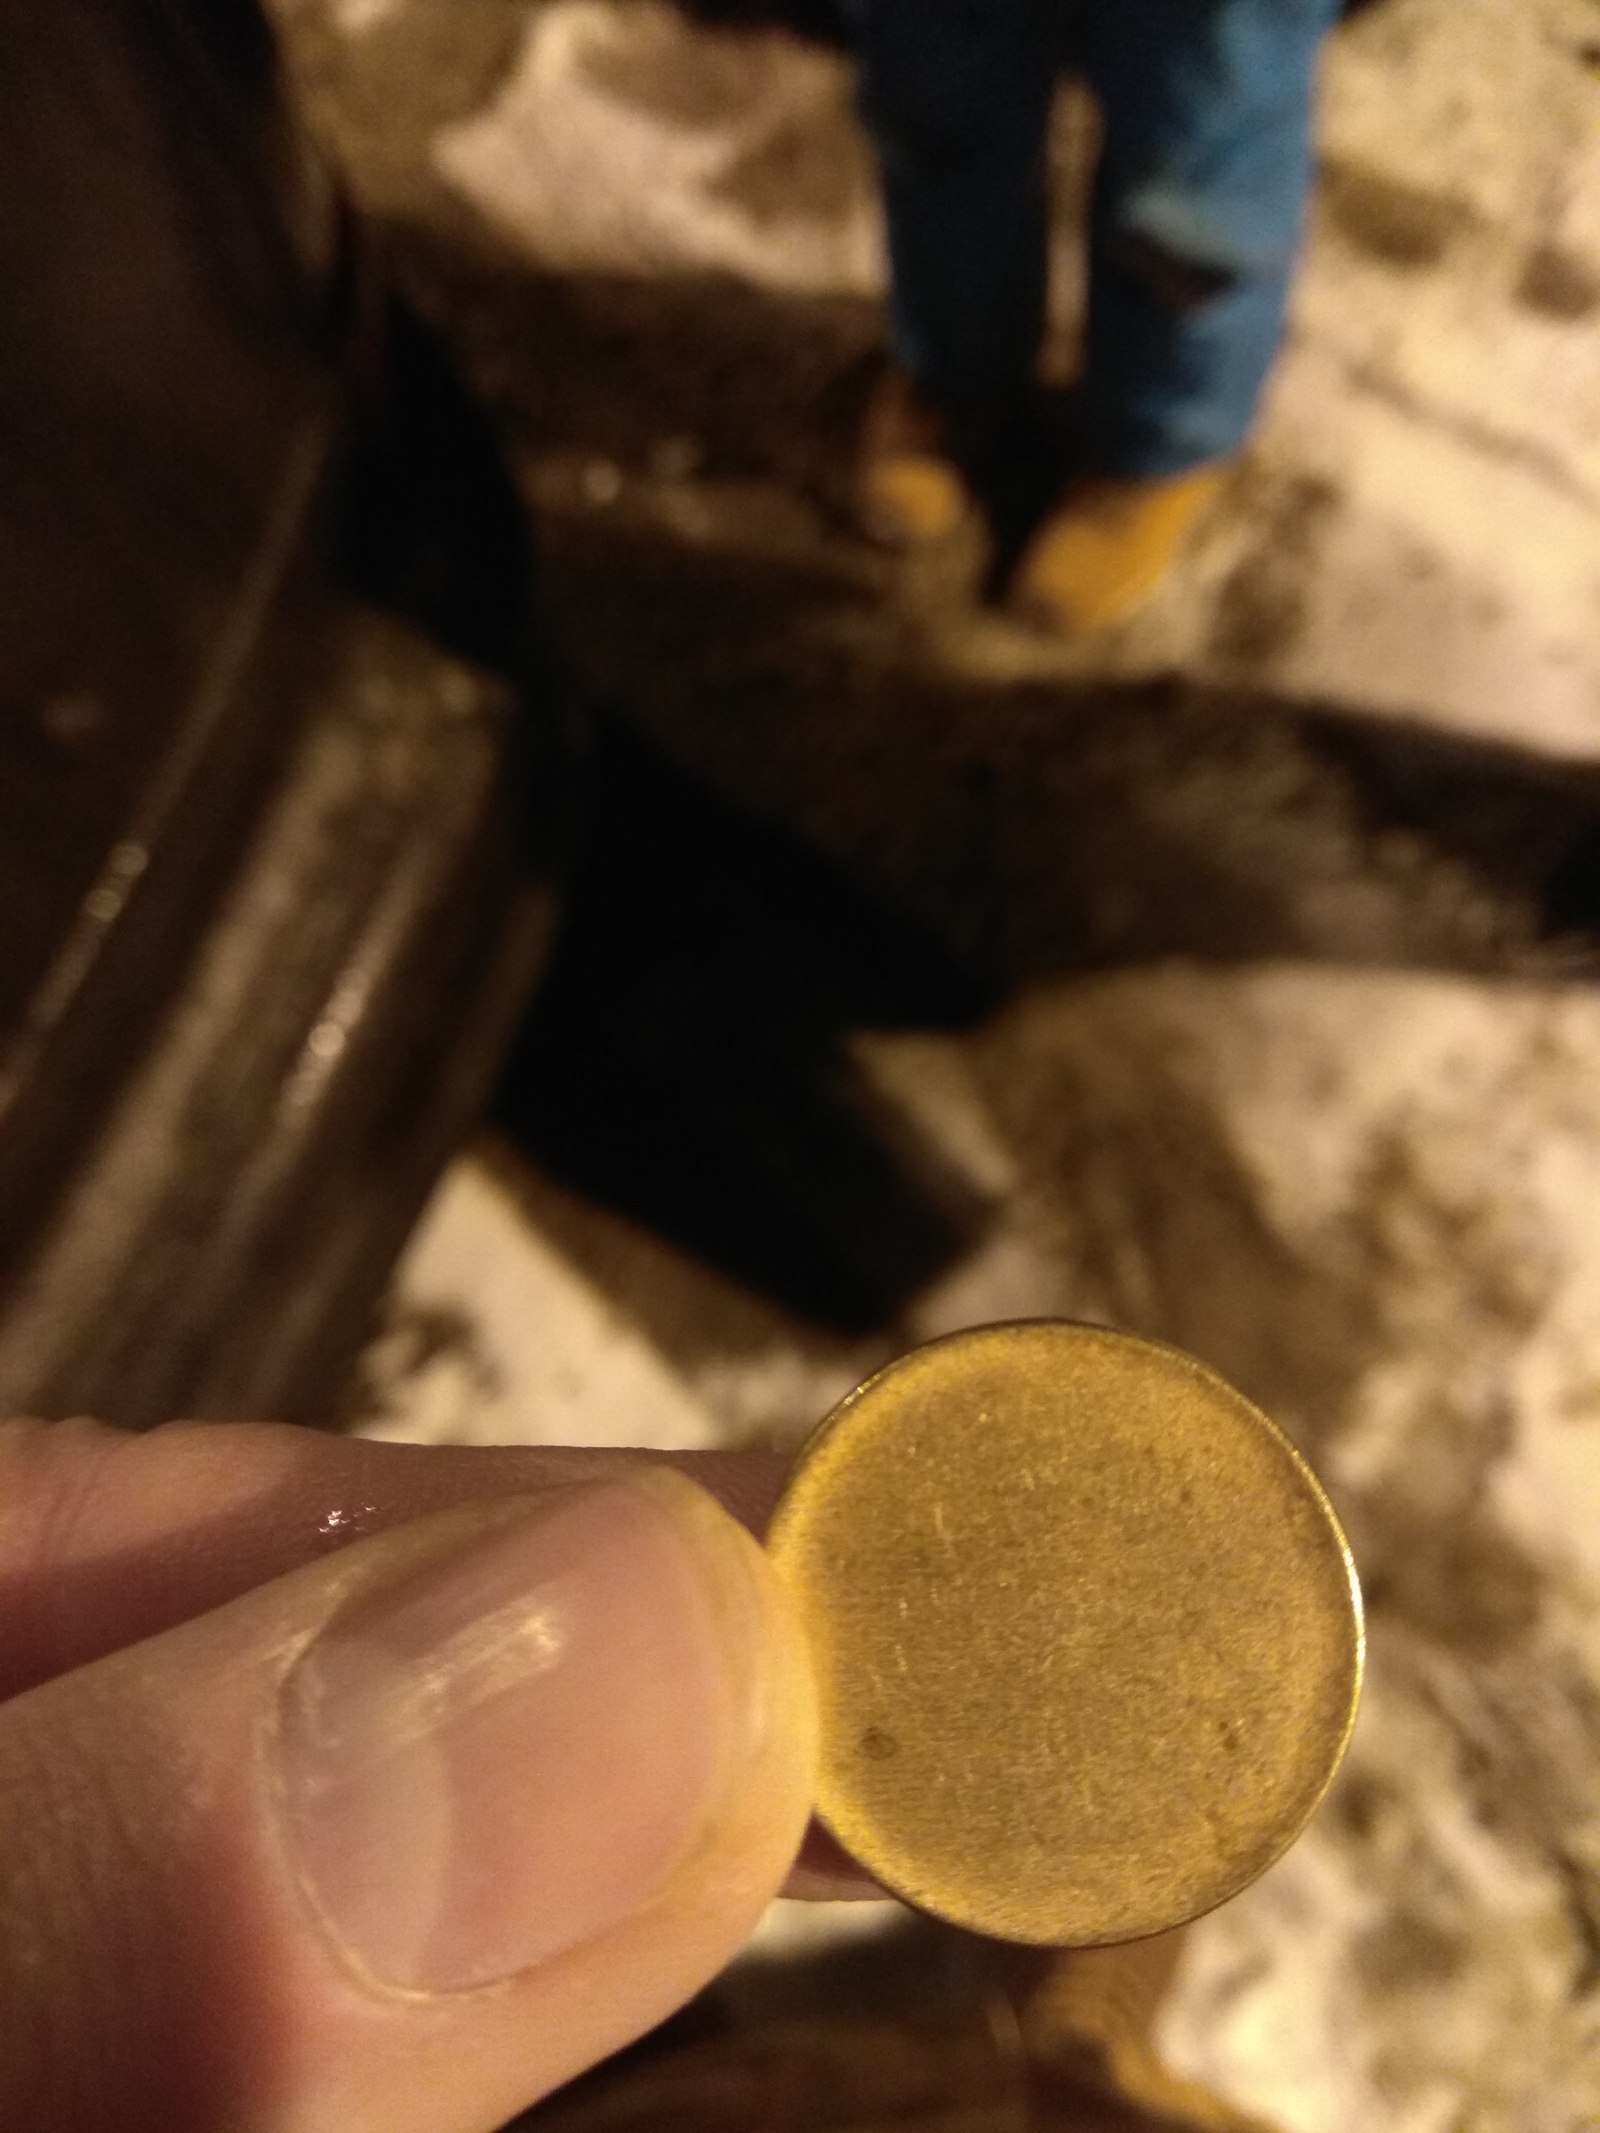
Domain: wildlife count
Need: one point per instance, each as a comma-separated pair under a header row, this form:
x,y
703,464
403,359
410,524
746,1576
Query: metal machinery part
x,y
279,781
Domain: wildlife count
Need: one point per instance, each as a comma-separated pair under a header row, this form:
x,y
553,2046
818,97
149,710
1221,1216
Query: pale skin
x,y
202,1633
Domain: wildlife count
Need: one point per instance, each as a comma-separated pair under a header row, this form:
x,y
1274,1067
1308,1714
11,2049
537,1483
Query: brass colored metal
x,y
1086,1632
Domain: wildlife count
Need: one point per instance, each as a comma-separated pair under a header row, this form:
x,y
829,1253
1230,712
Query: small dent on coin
x,y
879,1745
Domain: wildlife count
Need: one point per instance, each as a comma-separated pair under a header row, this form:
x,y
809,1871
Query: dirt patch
x,y
1405,226
1558,284
1262,604
655,61
798,170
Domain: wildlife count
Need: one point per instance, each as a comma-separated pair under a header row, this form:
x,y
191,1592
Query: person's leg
x,y
1199,200
956,95
1196,220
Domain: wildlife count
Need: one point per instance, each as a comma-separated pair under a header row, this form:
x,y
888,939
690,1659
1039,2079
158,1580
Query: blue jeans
x,y
1196,218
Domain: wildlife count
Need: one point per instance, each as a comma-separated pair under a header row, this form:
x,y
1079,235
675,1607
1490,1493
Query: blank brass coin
x,y
1086,1632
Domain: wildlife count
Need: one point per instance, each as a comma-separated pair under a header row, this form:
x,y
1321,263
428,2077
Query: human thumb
x,y
406,1838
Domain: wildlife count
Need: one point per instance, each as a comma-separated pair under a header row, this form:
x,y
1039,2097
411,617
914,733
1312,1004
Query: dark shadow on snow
x,y
806,822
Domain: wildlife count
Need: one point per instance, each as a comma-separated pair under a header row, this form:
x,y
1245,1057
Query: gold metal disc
x,y
1086,1632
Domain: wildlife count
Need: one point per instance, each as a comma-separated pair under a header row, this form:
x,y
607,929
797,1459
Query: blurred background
x,y
415,534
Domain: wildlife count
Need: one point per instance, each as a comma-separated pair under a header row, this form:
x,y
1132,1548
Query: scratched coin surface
x,y
1086,1632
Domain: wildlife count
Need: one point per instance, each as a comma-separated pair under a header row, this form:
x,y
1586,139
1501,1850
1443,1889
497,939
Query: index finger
x,y
107,1538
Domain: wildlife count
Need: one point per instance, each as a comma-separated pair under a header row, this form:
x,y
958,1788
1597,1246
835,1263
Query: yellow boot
x,y
1087,2031
1108,544
910,489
